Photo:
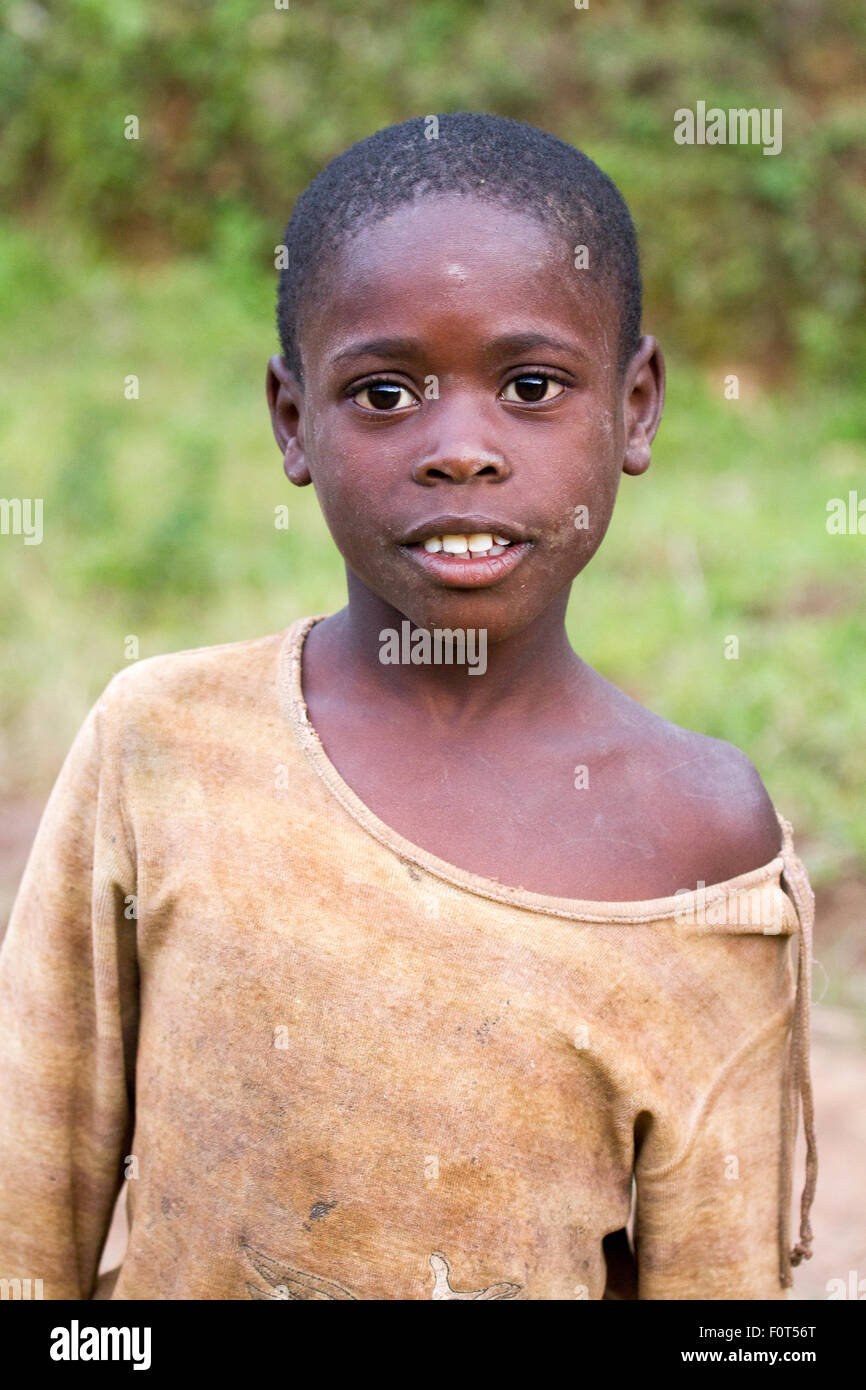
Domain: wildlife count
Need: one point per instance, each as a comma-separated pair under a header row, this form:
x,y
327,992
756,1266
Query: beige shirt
x,y
327,1064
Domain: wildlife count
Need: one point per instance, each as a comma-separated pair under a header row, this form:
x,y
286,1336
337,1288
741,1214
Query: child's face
x,y
461,376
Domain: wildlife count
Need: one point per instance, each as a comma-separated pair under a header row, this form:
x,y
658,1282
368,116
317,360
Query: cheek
x,y
586,498
347,492
337,478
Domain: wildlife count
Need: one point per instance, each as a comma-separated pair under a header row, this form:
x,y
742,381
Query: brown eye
x,y
383,395
533,387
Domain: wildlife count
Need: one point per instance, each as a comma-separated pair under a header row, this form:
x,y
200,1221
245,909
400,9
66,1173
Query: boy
x,y
423,970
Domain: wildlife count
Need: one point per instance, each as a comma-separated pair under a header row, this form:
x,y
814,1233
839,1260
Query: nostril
x,y
459,469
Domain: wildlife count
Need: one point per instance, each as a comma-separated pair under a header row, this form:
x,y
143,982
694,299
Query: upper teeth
x,y
475,544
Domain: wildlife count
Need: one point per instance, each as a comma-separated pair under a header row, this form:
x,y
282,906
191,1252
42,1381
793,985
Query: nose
x,y
461,449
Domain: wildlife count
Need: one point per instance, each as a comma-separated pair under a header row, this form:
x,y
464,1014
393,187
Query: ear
x,y
643,399
285,399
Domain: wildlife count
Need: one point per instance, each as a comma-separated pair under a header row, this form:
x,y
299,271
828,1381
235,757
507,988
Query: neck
x,y
524,673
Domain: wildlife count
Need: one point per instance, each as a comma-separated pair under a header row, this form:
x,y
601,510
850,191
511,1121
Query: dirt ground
x,y
838,1077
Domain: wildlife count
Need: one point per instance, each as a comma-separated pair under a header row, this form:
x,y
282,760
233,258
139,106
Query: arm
x,y
68,1020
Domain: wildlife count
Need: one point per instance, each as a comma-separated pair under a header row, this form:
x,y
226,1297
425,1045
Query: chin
x,y
493,613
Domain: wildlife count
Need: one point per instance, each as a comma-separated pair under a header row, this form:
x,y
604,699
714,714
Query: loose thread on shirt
x,y
804,901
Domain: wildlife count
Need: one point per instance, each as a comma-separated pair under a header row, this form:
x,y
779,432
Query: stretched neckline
x,y
586,909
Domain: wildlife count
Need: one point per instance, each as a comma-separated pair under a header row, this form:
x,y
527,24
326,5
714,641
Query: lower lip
x,y
474,573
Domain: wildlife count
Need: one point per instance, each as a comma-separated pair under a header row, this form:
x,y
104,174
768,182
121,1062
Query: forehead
x,y
458,264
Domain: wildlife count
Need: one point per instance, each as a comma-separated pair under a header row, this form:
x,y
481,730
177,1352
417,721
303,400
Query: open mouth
x,y
466,547
467,559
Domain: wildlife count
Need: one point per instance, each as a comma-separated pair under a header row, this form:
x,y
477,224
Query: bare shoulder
x,y
712,817
720,815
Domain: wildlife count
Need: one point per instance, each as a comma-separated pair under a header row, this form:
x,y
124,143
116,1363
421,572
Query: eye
x,y
382,396
532,388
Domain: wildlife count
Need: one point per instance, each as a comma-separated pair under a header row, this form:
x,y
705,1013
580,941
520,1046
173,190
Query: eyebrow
x,y
515,344
380,347
510,344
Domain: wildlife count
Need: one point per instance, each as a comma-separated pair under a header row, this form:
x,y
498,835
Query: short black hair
x,y
523,168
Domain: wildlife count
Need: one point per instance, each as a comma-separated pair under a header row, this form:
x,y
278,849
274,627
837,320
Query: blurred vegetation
x,y
747,256
155,257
